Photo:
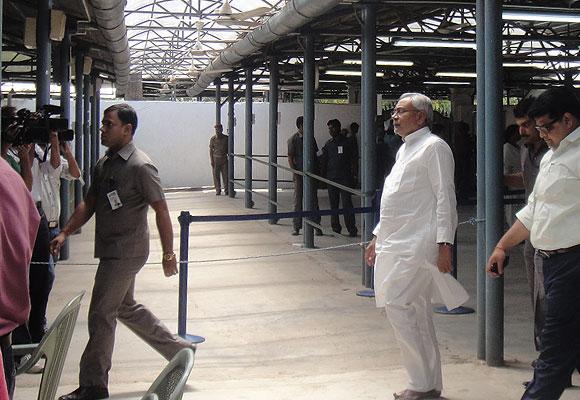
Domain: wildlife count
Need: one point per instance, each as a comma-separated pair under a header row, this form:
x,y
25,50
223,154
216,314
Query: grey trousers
x,y
113,299
535,276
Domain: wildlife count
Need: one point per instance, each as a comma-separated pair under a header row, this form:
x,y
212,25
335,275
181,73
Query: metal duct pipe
x,y
295,14
110,18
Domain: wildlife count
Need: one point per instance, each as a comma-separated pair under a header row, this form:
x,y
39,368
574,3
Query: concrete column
x,y
308,186
231,121
273,140
43,53
79,60
249,203
493,176
64,79
480,136
368,111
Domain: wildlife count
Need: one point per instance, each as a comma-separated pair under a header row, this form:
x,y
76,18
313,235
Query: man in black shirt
x,y
295,160
338,163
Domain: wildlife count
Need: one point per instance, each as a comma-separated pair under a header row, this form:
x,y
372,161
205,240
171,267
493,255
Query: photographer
x,y
36,137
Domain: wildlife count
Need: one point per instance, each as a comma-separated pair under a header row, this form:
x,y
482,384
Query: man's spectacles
x,y
546,128
401,111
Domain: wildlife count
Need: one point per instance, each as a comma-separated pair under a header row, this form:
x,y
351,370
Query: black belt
x,y
550,253
52,225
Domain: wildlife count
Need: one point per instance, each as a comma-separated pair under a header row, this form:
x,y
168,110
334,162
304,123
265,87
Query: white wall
x,y
176,135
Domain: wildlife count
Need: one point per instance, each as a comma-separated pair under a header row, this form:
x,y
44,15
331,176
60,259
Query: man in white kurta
x,y
412,248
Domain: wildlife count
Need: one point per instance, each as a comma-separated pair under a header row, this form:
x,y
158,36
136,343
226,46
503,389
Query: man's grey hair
x,y
421,103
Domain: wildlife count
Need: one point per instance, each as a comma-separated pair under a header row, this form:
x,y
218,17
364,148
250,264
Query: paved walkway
x,y
287,327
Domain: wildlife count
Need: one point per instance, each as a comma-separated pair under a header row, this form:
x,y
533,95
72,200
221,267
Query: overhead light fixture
x,y
331,81
457,74
540,16
435,43
390,63
350,73
523,65
446,83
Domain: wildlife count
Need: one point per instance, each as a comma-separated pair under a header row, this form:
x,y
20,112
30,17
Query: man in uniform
x,y
125,183
295,160
411,251
218,158
550,221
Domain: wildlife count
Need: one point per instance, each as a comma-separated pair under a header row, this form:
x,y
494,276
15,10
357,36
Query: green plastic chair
x,y
170,383
53,348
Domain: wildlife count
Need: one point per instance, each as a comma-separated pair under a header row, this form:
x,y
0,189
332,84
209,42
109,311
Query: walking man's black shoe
x,y
87,393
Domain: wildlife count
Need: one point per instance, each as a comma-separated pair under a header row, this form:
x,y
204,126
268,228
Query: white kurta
x,y
418,210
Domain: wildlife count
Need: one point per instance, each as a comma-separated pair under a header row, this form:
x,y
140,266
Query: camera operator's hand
x,y
57,243
26,156
54,150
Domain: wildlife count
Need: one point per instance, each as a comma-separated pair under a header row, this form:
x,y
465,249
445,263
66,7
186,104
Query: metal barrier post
x,y
273,140
249,203
184,220
308,186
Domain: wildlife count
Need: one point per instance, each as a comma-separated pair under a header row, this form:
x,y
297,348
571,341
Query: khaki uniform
x,y
218,149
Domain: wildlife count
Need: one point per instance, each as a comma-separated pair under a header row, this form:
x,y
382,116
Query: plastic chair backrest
x,y
170,383
54,347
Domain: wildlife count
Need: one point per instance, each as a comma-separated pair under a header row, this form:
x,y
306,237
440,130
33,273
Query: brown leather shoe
x,y
87,393
409,394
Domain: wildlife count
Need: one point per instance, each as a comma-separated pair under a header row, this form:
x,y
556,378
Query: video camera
x,y
28,127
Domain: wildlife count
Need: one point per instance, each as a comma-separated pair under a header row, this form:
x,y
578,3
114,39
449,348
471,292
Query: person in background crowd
x,y
295,161
218,158
339,163
531,152
511,165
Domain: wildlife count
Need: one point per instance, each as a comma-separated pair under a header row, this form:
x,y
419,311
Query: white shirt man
x,y
411,252
550,220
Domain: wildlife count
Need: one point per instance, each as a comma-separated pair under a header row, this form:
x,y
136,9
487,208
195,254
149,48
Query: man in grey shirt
x,y
125,183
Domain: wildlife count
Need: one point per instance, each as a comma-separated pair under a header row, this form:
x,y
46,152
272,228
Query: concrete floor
x,y
288,327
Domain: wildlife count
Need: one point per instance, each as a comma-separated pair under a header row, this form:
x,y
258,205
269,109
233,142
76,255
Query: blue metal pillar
x,y
98,120
43,53
273,142
308,187
494,127
480,137
231,120
64,79
218,101
368,113
86,134
94,123
79,64
249,203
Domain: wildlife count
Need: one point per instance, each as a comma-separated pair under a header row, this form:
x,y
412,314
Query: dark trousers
x,y
41,278
560,336
336,195
298,199
8,363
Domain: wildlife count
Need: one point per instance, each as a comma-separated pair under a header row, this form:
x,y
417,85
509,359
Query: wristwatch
x,y
169,256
